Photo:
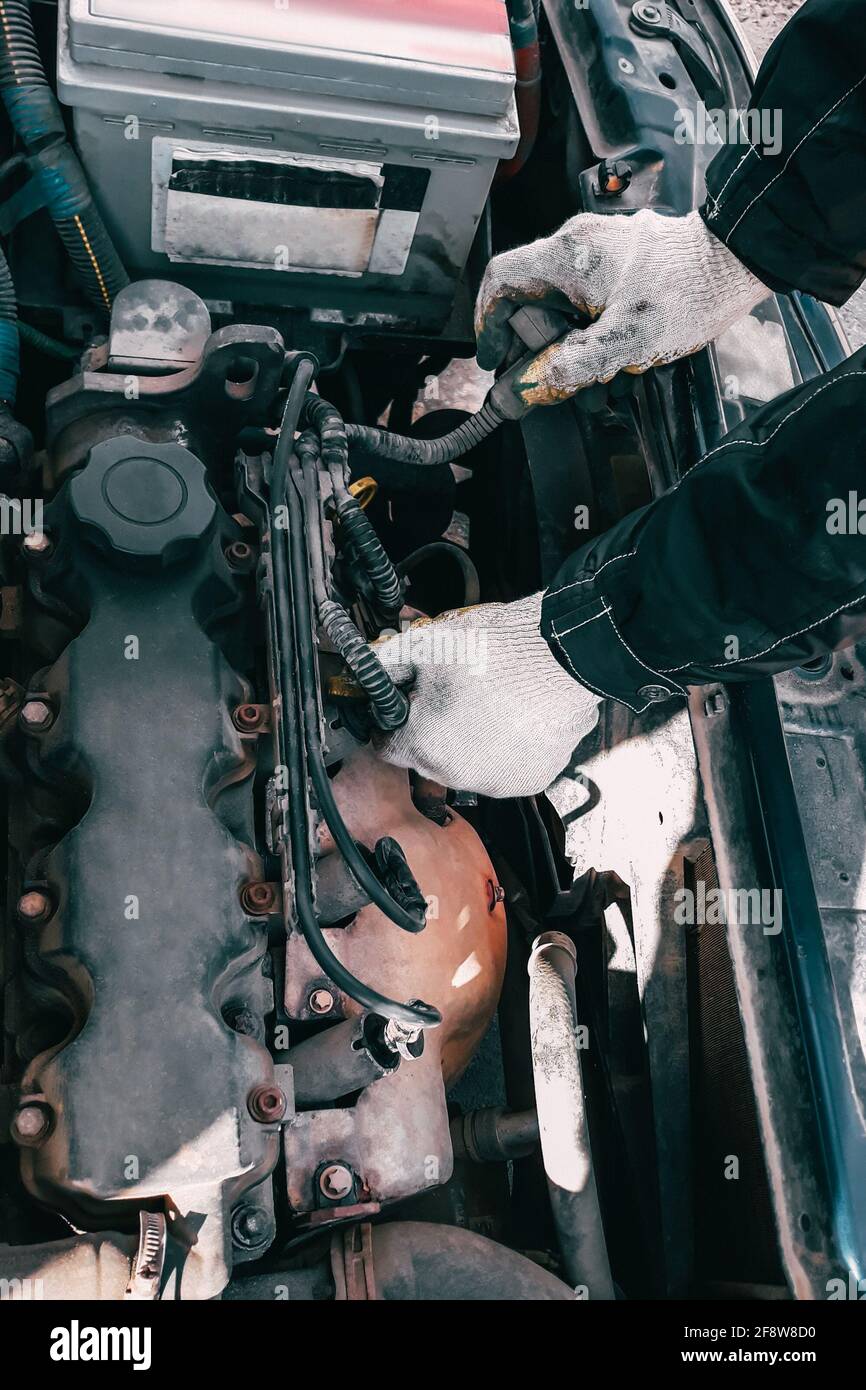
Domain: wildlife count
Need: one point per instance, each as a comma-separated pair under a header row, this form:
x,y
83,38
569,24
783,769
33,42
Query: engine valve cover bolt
x,y
259,899
251,1226
267,1104
37,543
35,906
239,555
32,1123
321,1001
250,719
36,715
336,1182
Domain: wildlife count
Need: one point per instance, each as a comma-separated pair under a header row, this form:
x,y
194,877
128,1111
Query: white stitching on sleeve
x,y
717,201
636,658
589,579
582,679
759,443
753,656
567,630
799,143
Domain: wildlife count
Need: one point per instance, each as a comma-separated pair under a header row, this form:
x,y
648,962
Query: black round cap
x,y
149,503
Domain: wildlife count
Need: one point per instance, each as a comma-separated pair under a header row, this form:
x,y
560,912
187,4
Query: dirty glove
x,y
491,709
658,288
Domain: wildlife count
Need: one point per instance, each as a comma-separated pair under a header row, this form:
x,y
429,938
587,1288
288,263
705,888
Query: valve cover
x,y
148,941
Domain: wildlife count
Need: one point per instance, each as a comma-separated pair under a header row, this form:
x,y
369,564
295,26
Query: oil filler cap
x,y
148,504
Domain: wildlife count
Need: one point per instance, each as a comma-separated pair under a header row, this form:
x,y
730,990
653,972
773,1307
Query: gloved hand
x,y
658,288
491,709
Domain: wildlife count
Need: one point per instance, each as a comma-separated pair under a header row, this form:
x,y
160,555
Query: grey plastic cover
x,y
452,55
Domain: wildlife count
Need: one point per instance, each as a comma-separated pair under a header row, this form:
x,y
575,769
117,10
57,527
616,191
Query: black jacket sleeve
x,y
753,563
756,560
796,215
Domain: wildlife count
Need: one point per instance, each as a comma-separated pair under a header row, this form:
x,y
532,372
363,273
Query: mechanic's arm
x,y
754,563
662,287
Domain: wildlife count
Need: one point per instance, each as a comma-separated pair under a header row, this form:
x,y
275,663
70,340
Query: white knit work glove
x,y
491,709
657,287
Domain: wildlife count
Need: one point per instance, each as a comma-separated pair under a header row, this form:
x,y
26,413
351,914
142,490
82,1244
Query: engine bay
x,y
279,1019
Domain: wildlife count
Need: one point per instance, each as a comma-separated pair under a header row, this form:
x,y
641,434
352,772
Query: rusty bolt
x,y
336,1182
495,895
250,719
321,1001
35,906
267,1104
259,899
32,1123
240,556
37,543
36,716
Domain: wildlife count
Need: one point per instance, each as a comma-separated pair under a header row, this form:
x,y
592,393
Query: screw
x,y
267,1104
715,703
32,1123
36,715
321,1001
651,14
249,718
37,543
35,906
240,556
251,1226
259,899
625,66
495,894
336,1182
244,1021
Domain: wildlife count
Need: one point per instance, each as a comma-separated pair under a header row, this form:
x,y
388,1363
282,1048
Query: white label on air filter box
x,y
239,206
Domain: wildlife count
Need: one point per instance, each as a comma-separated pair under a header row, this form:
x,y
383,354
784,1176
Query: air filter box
x,y
334,155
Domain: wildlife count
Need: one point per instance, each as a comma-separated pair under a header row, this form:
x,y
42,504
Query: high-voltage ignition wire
x,y
388,705
294,618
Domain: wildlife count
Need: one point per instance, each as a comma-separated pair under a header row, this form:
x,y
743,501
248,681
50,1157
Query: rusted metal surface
x,y
35,906
260,899
396,1137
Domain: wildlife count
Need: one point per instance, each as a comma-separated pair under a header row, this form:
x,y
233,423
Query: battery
x,y
333,155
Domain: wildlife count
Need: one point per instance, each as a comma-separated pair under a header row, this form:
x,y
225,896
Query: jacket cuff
x,y
578,623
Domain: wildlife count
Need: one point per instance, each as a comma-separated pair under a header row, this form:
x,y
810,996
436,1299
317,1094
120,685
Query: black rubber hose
x,y
358,866
356,531
389,706
356,527
291,579
52,347
471,582
401,448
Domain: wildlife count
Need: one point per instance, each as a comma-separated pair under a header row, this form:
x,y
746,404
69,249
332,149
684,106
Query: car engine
x,y
280,1020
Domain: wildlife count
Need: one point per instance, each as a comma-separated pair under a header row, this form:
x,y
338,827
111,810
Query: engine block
x,y
146,936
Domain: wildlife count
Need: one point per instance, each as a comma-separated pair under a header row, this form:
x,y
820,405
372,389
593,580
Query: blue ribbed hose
x,y
9,350
38,121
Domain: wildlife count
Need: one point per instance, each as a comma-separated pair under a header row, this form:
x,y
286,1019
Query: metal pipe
x,y
563,1123
493,1134
342,1059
